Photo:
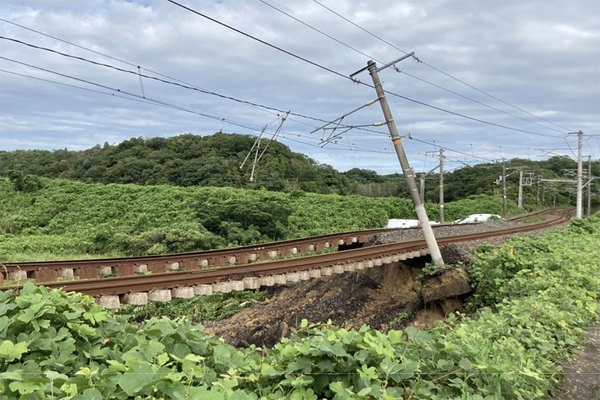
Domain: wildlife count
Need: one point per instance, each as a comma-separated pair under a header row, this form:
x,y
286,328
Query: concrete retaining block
x,y
231,260
338,269
17,275
303,275
359,265
294,250
251,282
423,252
292,277
378,262
280,279
159,295
267,280
203,263
111,302
66,273
327,271
311,247
369,264
105,271
252,257
403,256
136,298
315,273
272,253
395,258
237,286
387,260
341,242
140,269
222,287
174,266
182,292
349,267
354,239
203,290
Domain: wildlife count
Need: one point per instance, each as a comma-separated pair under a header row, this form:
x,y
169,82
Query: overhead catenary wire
x,y
337,73
115,92
177,82
435,68
403,72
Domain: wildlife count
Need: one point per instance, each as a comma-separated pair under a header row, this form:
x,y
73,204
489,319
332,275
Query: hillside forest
x,y
191,160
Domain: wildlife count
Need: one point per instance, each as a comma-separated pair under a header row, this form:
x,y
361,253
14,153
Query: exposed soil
x,y
383,297
373,296
582,375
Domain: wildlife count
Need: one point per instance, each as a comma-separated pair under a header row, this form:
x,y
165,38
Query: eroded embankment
x,y
382,297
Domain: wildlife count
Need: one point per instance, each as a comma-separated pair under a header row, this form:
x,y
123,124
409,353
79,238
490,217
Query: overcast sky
x,y
531,68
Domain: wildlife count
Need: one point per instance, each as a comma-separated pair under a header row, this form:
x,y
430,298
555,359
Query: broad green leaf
x,y
10,351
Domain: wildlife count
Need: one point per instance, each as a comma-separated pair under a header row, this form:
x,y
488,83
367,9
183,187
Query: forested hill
x,y
185,160
190,160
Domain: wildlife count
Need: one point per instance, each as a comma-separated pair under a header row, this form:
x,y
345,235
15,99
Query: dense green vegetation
x,y
533,303
57,219
189,160
215,307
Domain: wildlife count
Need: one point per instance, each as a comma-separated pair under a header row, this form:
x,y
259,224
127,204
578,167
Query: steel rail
x,y
219,256
171,280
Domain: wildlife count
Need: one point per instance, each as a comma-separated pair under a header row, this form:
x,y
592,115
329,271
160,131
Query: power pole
x,y
408,172
589,188
504,212
537,197
579,174
441,186
422,186
520,199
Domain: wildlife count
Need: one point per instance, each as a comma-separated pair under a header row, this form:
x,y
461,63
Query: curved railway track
x,y
196,279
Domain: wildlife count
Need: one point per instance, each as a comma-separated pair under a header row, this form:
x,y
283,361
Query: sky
x,y
489,79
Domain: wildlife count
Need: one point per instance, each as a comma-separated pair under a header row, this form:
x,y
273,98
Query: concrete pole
x,y
422,186
589,188
504,212
520,200
408,172
537,196
578,212
441,186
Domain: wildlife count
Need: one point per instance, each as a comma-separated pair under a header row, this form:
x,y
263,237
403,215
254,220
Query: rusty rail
x,y
192,276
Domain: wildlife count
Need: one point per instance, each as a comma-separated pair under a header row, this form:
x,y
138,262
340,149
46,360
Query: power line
x,y
183,84
398,70
435,68
347,77
147,99
140,99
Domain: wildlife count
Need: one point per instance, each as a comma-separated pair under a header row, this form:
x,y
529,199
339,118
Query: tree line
x,y
214,160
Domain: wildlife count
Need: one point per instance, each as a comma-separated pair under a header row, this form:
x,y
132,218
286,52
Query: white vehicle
x,y
477,218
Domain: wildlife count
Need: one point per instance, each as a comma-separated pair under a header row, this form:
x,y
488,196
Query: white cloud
x,y
539,56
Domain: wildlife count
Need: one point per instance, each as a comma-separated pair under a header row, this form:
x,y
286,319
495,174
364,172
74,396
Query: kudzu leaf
x,y
10,351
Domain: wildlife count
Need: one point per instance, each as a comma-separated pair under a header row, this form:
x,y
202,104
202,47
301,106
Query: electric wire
x,y
137,98
159,102
337,73
435,68
402,72
181,85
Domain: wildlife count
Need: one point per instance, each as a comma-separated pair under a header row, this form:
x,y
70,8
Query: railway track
x,y
195,279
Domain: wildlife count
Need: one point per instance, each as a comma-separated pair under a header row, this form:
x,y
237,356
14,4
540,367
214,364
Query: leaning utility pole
x,y
409,174
441,186
589,188
504,189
